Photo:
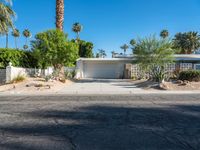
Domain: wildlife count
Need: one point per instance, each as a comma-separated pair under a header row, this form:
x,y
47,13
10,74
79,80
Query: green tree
x,y
124,47
26,34
6,18
77,28
52,48
164,34
102,53
133,43
16,34
187,43
85,49
153,55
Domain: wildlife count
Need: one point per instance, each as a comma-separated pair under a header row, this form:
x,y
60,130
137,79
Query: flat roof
x,y
182,57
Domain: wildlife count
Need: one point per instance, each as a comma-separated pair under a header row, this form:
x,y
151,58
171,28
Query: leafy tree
x,y
153,55
102,53
6,18
187,43
124,47
27,34
164,34
16,34
85,49
59,14
52,48
77,28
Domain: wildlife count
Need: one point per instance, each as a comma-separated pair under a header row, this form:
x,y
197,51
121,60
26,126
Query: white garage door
x,y
102,70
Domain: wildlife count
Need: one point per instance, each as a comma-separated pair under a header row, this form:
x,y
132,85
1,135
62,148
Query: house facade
x,y
120,67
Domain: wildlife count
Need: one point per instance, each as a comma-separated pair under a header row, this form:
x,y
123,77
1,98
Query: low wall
x,y
12,72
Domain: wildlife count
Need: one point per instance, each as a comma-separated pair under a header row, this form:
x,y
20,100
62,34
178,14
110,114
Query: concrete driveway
x,y
101,86
139,122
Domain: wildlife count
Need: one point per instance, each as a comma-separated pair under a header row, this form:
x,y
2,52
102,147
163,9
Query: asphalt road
x,y
137,122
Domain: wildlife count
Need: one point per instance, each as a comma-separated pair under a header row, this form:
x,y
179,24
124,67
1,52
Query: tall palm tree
x,y
6,18
77,28
59,14
27,34
187,43
124,47
16,34
164,34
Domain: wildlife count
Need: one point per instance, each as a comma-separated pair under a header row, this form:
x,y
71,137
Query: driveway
x,y
101,86
139,122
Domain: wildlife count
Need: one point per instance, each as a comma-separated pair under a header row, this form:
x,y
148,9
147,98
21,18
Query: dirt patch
x,y
188,86
149,85
34,86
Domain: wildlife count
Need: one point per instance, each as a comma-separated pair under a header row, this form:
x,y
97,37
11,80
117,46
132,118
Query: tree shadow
x,y
104,127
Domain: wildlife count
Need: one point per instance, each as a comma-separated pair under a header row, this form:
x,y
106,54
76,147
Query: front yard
x,y
34,86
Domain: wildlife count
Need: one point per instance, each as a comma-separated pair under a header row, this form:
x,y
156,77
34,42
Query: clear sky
x,y
109,23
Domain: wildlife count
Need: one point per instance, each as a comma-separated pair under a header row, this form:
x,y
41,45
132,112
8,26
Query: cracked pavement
x,y
112,122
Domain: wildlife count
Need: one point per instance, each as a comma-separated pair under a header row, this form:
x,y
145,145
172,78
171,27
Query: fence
x,y
169,68
2,76
8,74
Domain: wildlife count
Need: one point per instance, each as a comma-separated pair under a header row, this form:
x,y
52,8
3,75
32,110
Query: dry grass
x,y
18,79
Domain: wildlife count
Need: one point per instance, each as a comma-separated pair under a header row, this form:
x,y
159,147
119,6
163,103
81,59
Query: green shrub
x,y
190,75
70,74
19,58
19,78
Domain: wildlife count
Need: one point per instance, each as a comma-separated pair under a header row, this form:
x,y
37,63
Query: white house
x,y
114,68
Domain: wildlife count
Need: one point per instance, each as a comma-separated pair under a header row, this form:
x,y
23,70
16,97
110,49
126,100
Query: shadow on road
x,y
102,127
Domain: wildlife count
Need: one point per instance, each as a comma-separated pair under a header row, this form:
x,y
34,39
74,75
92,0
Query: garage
x,y
99,68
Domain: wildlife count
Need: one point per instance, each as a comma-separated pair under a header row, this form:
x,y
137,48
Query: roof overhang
x,y
182,57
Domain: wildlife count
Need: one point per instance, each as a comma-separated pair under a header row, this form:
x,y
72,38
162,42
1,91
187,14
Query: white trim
x,y
178,57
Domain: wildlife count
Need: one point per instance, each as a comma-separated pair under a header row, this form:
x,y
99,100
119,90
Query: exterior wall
x,y
101,65
79,69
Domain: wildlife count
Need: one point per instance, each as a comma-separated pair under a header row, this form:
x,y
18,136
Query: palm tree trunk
x,y
59,14
6,40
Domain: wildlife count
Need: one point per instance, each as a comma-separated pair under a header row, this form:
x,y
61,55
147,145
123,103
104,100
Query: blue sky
x,y
109,23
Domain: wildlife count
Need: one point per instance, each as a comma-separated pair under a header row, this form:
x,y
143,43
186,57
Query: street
x,y
112,122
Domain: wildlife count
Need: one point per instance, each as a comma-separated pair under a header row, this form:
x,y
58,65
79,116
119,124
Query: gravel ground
x,y
32,83
137,122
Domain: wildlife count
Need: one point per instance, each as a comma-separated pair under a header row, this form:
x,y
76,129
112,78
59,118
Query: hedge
x,y
19,58
190,75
